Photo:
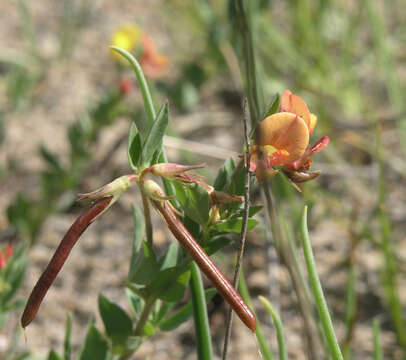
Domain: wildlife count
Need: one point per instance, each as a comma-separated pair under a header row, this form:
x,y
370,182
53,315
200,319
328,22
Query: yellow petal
x,y
126,37
313,122
284,131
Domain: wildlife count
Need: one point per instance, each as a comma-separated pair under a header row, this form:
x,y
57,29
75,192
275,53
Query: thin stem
x,y
149,106
243,227
378,354
147,217
289,259
146,95
149,304
318,292
243,26
280,333
200,317
264,348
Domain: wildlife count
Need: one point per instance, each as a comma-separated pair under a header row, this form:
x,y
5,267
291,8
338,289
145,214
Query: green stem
x,y
147,217
378,355
283,354
200,317
390,269
149,106
318,292
149,304
146,94
289,259
243,289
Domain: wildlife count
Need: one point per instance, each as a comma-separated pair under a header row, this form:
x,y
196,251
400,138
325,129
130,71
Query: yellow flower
x,y
127,37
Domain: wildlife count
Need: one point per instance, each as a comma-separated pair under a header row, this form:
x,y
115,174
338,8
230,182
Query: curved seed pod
x,y
208,267
69,240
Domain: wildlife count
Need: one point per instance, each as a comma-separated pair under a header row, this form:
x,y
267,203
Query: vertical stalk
x,y
147,216
390,270
200,317
321,303
243,228
148,306
264,348
378,354
280,333
288,258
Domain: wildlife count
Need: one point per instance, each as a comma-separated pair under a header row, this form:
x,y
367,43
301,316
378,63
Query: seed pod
x,y
208,267
69,240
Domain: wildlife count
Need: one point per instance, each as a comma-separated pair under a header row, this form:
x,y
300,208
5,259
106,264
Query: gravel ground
x,y
99,262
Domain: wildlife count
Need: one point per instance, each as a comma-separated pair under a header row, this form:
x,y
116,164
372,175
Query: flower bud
x,y
115,189
214,215
175,172
154,191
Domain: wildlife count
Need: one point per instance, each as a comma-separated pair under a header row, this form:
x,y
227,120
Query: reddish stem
x,y
69,240
208,267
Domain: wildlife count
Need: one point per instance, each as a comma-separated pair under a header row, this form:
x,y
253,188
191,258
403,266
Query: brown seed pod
x,y
69,240
208,267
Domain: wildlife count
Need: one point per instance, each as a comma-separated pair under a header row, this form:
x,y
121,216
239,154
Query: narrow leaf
x,y
67,344
153,142
134,147
139,231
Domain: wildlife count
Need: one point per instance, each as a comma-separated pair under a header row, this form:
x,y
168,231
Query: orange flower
x,y
279,139
282,139
152,62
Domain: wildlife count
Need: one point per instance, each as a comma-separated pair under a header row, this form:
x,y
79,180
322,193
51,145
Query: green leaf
x,y
95,346
118,324
67,343
195,202
146,266
170,284
183,314
53,355
254,209
136,303
171,257
134,147
224,174
234,225
216,244
153,142
163,311
138,236
274,107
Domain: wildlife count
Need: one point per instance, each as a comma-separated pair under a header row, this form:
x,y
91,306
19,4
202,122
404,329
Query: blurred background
x,y
66,104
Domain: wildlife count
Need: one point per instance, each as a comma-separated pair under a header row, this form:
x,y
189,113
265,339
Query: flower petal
x,y
294,104
284,131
